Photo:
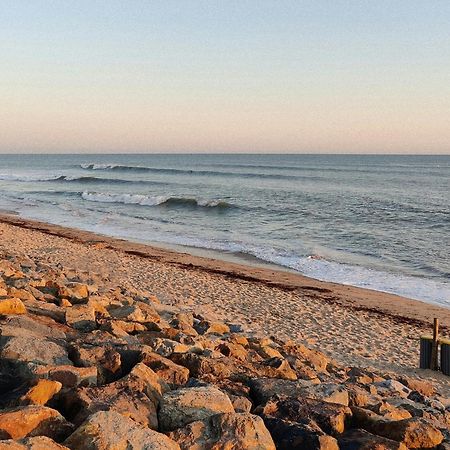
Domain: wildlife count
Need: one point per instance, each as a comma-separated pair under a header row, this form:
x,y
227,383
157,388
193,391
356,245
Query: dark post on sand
x,y
434,350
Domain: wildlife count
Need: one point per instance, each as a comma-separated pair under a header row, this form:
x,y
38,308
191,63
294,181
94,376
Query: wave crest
x,y
157,200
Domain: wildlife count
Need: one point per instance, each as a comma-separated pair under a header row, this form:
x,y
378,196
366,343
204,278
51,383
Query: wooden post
x,y
434,350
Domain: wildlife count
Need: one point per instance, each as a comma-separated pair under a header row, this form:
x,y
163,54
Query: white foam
x,y
129,199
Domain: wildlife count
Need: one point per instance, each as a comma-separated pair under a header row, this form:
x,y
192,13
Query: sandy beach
x,y
352,325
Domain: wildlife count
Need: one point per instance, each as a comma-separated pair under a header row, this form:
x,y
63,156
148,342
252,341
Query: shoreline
x,y
401,309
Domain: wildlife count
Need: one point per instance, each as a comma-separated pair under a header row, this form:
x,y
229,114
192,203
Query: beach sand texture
x,y
352,325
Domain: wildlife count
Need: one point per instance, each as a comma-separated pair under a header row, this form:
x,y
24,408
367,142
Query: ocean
x,y
379,222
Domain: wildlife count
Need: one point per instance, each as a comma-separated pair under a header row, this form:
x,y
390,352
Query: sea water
x,y
379,222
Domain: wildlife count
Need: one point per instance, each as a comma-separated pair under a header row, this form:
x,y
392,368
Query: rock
x,y
183,406
414,433
303,371
30,421
33,443
293,435
207,327
10,306
111,430
34,350
313,358
135,396
424,387
327,392
69,376
236,351
391,388
47,310
240,403
26,325
278,368
81,317
107,360
363,440
225,431
362,376
331,417
165,347
203,367
139,312
262,389
41,392
172,373
75,292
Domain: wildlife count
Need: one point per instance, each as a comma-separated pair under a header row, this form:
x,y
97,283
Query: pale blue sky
x,y
271,76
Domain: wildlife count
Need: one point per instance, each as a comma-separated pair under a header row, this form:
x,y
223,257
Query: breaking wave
x,y
157,200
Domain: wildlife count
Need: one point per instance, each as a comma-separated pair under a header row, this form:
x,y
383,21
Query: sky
x,y
225,76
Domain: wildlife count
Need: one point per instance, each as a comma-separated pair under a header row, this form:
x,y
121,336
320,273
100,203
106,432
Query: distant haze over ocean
x,y
380,222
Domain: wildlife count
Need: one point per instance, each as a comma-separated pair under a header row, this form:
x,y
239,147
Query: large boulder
x,y
33,443
204,367
30,421
331,417
414,433
41,392
111,430
30,349
81,317
225,431
135,396
289,435
10,306
262,389
183,406
172,373
363,440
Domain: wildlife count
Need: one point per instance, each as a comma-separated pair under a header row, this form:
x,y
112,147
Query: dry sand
x,y
352,325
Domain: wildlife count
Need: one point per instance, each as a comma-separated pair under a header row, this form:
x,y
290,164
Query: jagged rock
x,y
172,373
200,366
315,359
232,350
240,403
183,406
391,412
303,371
111,430
293,435
136,396
331,417
414,433
363,376
327,392
10,306
75,292
47,310
34,350
105,358
41,392
165,347
30,421
424,387
357,396
208,327
278,368
185,323
262,389
138,312
69,376
391,388
225,431
33,443
363,440
81,317
27,325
